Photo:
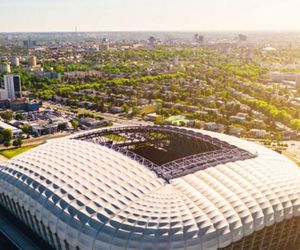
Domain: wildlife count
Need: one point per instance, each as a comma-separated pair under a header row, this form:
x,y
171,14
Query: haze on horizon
x,y
142,15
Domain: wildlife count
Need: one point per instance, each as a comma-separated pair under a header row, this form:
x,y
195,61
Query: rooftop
x,y
102,197
5,125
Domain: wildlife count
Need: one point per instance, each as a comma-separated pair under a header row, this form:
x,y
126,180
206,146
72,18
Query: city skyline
x,y
146,15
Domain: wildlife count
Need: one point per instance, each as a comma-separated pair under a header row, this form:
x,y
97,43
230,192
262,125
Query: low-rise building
x,y
152,117
89,123
39,130
212,126
238,119
116,110
236,131
16,131
24,106
259,133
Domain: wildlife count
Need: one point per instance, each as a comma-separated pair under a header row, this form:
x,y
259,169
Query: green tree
x,y
26,128
125,108
19,117
295,124
159,120
7,115
17,142
135,111
75,123
7,135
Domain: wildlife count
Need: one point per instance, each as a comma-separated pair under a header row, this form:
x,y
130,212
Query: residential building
x,y
5,67
259,132
116,110
298,83
15,61
32,61
12,86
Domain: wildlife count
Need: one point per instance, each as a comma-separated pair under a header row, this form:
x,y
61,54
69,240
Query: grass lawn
x,y
148,109
177,119
10,153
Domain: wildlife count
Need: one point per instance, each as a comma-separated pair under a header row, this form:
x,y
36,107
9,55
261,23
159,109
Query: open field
x,y
10,153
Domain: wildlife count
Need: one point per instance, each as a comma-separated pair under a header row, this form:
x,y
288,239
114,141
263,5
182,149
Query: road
x,y
293,151
115,118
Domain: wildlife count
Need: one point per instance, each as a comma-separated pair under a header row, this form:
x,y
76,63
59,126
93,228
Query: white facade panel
x,y
96,198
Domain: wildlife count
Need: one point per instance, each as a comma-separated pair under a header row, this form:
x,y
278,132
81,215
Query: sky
x,y
148,15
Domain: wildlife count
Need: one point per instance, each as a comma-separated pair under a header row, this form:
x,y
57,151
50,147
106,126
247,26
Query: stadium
x,y
153,187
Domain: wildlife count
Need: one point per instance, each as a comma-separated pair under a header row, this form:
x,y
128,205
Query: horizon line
x,y
138,31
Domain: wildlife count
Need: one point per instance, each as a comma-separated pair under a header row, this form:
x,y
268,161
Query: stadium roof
x,y
94,196
185,151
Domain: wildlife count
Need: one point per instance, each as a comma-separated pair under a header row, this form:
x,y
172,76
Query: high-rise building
x,y
298,83
242,38
3,94
32,61
198,38
12,86
15,61
29,43
152,40
5,67
176,60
